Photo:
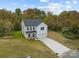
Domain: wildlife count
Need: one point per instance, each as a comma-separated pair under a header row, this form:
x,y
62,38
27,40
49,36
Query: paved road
x,y
55,46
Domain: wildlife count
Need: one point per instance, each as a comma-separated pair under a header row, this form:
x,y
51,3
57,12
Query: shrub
x,y
71,33
1,31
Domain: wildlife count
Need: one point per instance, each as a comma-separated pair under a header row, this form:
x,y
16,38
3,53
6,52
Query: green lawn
x,y
67,42
17,46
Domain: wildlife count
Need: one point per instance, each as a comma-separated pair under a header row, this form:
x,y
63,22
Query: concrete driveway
x,y
55,46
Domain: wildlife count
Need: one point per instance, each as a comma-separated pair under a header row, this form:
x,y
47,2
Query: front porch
x,y
31,35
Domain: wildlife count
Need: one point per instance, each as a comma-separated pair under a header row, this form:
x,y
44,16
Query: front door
x,y
32,35
29,35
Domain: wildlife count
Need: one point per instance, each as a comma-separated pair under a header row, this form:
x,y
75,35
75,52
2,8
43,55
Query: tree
x,y
69,18
34,14
5,28
1,28
70,24
6,15
52,21
18,18
18,11
39,13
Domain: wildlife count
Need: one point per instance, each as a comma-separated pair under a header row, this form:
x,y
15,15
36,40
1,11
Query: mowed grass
x,y
19,47
73,44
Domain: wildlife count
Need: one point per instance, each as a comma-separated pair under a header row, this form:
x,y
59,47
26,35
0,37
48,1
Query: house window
x,y
27,29
42,28
30,28
33,28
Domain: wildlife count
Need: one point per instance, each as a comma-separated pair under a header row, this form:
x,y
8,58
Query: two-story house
x,y
34,29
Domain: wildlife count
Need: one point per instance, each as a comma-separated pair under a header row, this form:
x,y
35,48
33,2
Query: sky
x,y
54,6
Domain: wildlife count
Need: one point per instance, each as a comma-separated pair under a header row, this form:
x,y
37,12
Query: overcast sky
x,y
55,6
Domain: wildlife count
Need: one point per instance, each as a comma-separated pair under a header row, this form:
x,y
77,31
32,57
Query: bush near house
x,y
72,33
17,35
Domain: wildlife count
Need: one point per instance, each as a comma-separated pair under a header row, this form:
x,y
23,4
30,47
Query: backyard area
x,y
17,46
73,44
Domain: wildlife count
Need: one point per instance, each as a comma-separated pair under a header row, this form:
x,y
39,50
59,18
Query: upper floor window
x,y
33,28
30,28
42,28
27,28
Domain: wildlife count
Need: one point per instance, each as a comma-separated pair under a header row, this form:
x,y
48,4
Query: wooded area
x,y
66,22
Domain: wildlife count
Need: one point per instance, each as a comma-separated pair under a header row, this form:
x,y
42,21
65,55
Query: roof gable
x,y
32,22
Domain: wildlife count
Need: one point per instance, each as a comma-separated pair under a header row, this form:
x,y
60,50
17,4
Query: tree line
x,y
67,22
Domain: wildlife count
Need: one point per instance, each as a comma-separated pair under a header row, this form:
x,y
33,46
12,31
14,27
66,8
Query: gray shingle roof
x,y
32,22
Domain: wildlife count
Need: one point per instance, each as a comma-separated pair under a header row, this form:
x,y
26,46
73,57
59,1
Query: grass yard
x,y
17,46
73,44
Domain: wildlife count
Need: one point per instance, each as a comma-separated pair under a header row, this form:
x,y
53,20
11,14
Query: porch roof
x,y
31,32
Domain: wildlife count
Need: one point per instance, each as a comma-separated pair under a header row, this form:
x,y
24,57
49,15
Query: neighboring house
x,y
34,29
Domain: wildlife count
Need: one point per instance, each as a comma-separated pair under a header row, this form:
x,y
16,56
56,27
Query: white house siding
x,y
23,29
41,33
26,34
